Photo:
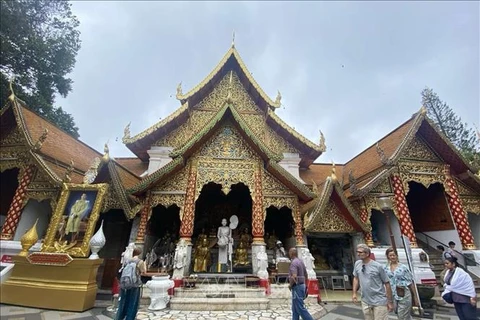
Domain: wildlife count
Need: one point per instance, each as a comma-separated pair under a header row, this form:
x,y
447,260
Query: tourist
x,y
460,290
297,284
401,282
130,298
374,283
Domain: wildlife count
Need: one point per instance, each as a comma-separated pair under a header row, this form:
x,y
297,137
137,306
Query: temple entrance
x,y
430,214
279,226
161,237
9,184
211,207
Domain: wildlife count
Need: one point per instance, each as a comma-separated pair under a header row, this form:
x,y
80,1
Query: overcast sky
x,y
354,70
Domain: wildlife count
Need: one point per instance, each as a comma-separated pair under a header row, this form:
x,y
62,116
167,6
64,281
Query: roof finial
x,y
322,145
278,99
179,90
423,110
68,172
126,132
106,156
233,39
334,171
38,145
11,97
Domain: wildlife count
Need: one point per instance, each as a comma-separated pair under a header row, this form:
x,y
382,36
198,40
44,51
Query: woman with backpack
x,y
130,283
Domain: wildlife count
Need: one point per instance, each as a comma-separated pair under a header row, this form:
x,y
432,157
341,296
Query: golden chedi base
x,y
71,287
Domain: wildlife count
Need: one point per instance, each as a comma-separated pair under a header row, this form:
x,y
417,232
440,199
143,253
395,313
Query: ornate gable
x,y
273,187
419,150
330,220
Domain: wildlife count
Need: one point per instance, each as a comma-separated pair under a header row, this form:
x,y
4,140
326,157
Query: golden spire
x,y
11,97
29,239
322,145
179,91
334,172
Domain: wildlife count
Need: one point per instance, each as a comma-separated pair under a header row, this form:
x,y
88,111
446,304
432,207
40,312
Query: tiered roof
x,y
142,142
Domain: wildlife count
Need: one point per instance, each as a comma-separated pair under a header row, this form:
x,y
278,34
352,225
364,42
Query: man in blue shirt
x,y
297,278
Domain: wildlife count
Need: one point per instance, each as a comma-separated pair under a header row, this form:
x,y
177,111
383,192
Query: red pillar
x,y
404,219
144,219
367,235
15,211
459,215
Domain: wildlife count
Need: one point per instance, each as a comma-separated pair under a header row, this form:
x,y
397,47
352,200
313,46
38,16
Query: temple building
x,y
225,154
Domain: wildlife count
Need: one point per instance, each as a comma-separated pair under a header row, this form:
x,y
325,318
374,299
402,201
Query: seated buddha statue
x,y
241,254
202,256
272,241
320,262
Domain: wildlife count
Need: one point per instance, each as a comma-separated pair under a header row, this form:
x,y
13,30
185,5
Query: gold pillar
x,y
298,225
186,227
257,211
145,213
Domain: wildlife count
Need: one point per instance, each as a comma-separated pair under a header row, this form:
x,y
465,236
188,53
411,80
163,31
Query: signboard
x,y
49,259
6,258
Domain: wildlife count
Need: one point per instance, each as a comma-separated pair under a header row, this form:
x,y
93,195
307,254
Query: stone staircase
x,y
436,261
219,297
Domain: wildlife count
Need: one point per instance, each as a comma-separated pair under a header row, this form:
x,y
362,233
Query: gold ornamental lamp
x,y
384,202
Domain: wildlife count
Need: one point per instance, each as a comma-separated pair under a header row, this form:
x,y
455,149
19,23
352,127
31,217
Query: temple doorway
x,y
279,226
9,184
430,214
211,207
161,237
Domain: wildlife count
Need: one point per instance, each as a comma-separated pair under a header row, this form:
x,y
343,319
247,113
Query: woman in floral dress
x,y
401,281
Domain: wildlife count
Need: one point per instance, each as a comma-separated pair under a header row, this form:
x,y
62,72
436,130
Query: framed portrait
x,y
73,222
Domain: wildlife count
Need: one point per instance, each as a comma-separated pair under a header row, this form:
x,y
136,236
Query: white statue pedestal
x,y
159,297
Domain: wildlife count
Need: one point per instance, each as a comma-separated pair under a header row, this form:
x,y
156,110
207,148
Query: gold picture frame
x,y
73,222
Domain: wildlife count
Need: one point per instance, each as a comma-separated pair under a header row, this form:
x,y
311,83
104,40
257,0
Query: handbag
x,y
448,297
400,291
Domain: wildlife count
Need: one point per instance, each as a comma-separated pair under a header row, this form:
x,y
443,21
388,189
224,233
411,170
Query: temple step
x,y
218,304
219,291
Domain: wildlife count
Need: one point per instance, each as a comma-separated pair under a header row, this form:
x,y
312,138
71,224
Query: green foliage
x,y
38,44
461,136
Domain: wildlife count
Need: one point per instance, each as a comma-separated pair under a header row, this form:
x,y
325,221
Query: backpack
x,y
130,277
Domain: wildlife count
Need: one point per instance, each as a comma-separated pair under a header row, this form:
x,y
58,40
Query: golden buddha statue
x,y
202,256
320,262
241,254
271,241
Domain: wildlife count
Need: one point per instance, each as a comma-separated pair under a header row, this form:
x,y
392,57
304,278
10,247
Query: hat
x,y
279,242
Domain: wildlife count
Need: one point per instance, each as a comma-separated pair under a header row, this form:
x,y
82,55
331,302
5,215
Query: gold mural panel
x,y
225,172
181,135
271,186
383,186
330,220
464,190
471,204
227,143
418,149
167,200
277,144
176,183
279,202
425,173
14,138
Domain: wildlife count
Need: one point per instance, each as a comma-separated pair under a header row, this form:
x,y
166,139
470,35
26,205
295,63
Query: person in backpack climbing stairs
x,y
130,283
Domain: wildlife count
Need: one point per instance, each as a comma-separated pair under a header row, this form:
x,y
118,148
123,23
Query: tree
x,y
38,44
451,125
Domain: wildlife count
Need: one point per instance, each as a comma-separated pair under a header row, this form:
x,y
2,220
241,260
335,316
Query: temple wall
x,y
33,210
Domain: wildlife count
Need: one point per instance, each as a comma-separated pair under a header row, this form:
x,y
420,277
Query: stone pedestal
x,y
71,287
159,286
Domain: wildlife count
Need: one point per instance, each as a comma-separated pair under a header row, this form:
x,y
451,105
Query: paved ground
x,y
335,312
